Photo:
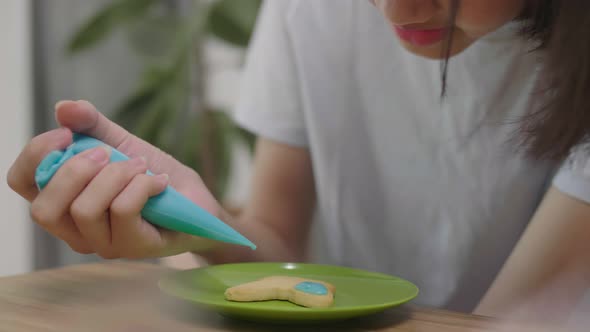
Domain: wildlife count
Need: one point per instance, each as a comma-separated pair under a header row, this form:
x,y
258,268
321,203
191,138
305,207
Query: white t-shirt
x,y
407,184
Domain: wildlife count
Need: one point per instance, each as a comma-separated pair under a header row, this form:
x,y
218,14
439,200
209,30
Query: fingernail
x,y
84,102
64,132
100,154
162,179
61,102
64,136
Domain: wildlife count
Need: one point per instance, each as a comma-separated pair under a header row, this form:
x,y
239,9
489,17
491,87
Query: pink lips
x,y
420,37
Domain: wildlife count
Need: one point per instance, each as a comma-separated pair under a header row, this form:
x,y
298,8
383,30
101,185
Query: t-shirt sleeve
x,y
573,178
269,103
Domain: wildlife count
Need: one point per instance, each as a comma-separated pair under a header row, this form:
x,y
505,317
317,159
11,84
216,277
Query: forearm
x,y
278,214
271,246
548,294
549,270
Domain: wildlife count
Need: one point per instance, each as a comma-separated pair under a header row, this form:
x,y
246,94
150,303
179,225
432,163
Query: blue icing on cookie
x,y
310,287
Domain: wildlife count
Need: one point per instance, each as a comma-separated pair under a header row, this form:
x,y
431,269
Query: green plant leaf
x,y
154,34
154,80
157,84
150,126
233,21
246,137
106,21
204,139
224,148
191,146
214,150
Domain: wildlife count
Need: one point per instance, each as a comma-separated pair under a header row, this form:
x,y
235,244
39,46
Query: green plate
x,y
358,292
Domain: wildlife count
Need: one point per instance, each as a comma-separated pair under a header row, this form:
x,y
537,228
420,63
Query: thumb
x,y
82,117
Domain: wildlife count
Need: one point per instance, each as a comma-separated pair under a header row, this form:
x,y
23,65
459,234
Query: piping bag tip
x,y
169,209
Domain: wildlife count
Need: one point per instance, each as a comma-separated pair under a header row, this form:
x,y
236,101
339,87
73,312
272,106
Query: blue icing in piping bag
x,y
169,209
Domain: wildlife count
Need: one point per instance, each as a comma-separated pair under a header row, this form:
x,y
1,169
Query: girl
x,y
353,134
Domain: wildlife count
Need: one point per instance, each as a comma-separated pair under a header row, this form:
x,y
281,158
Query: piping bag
x,y
169,209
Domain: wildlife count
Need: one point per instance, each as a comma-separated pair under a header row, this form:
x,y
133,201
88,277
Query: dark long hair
x,y
559,114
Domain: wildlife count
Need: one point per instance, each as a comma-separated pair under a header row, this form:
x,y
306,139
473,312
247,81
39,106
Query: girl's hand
x,y
95,206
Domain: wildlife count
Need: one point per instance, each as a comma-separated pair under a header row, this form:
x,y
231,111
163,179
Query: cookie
x,y
304,292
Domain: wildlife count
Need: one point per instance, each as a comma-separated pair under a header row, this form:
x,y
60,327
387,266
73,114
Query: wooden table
x,y
121,296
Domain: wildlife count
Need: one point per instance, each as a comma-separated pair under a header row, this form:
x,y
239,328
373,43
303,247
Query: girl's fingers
x,y
52,204
132,236
90,209
50,208
21,175
67,231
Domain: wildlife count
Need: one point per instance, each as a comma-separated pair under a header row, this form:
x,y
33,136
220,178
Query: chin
x,y
435,52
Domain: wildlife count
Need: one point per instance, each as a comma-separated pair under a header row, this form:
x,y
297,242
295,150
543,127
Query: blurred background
x,y
167,70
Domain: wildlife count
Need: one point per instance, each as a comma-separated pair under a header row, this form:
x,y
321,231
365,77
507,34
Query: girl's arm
x,y
278,214
549,270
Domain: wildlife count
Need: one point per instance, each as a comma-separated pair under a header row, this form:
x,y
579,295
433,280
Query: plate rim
x,y
165,287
